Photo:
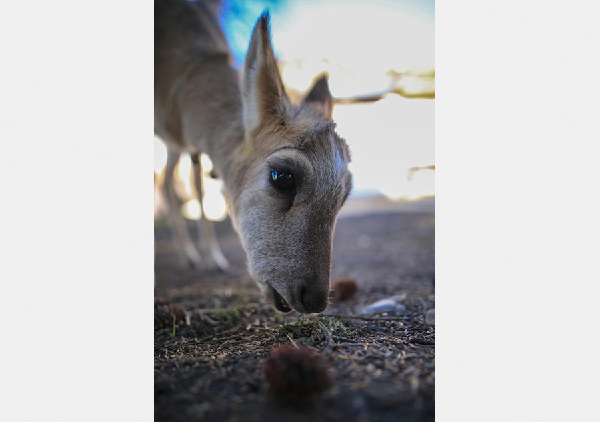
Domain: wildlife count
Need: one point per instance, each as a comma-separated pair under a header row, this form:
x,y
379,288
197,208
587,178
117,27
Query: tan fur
x,y
248,127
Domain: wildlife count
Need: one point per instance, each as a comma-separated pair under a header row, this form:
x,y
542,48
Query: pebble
x,y
390,306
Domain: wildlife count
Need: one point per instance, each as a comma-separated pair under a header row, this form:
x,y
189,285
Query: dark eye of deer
x,y
283,180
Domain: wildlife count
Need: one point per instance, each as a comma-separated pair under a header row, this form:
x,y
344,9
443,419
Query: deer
x,y
283,166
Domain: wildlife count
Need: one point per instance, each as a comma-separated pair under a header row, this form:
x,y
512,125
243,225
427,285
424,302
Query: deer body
x,y
283,166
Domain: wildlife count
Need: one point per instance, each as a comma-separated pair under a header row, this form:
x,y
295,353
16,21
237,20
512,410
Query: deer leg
x,y
183,242
208,244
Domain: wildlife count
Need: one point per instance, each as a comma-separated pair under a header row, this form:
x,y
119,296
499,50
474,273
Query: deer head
x,y
291,180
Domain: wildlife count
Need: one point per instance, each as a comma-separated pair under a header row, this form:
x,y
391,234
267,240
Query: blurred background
x,y
380,59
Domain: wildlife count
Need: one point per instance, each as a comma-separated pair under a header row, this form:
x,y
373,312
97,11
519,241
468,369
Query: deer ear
x,y
263,94
319,95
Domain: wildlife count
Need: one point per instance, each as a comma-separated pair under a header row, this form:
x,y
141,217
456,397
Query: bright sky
x,y
387,34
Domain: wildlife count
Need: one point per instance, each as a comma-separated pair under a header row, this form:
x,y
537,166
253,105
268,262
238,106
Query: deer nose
x,y
314,300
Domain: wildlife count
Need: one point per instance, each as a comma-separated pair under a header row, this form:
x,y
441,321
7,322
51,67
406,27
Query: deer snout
x,y
314,299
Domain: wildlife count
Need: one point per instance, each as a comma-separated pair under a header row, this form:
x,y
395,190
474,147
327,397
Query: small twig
x,y
422,341
249,305
413,170
369,98
348,344
366,318
292,340
221,334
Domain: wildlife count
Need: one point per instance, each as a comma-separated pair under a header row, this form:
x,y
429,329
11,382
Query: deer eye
x,y
282,180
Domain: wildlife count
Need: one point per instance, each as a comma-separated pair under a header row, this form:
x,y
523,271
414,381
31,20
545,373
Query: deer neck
x,y
226,154
214,127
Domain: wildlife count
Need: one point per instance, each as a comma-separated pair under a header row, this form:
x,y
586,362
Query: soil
x,y
209,365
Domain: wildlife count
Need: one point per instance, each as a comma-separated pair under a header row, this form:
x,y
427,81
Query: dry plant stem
x,y
292,340
367,318
327,332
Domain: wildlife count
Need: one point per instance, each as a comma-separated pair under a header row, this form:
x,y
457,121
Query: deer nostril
x,y
313,300
303,295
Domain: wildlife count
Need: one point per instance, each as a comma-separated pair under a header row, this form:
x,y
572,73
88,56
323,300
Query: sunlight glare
x,y
191,210
160,156
206,164
386,139
368,41
215,206
184,176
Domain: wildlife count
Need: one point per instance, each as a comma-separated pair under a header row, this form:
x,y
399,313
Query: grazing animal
x,y
284,168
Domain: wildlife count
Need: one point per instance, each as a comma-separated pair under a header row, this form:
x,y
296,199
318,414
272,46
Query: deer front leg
x,y
188,253
207,242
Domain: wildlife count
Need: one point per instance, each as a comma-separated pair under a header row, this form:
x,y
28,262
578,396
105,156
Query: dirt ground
x,y
211,342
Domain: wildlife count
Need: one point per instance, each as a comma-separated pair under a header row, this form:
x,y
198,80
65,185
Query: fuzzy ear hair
x,y
263,94
319,95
